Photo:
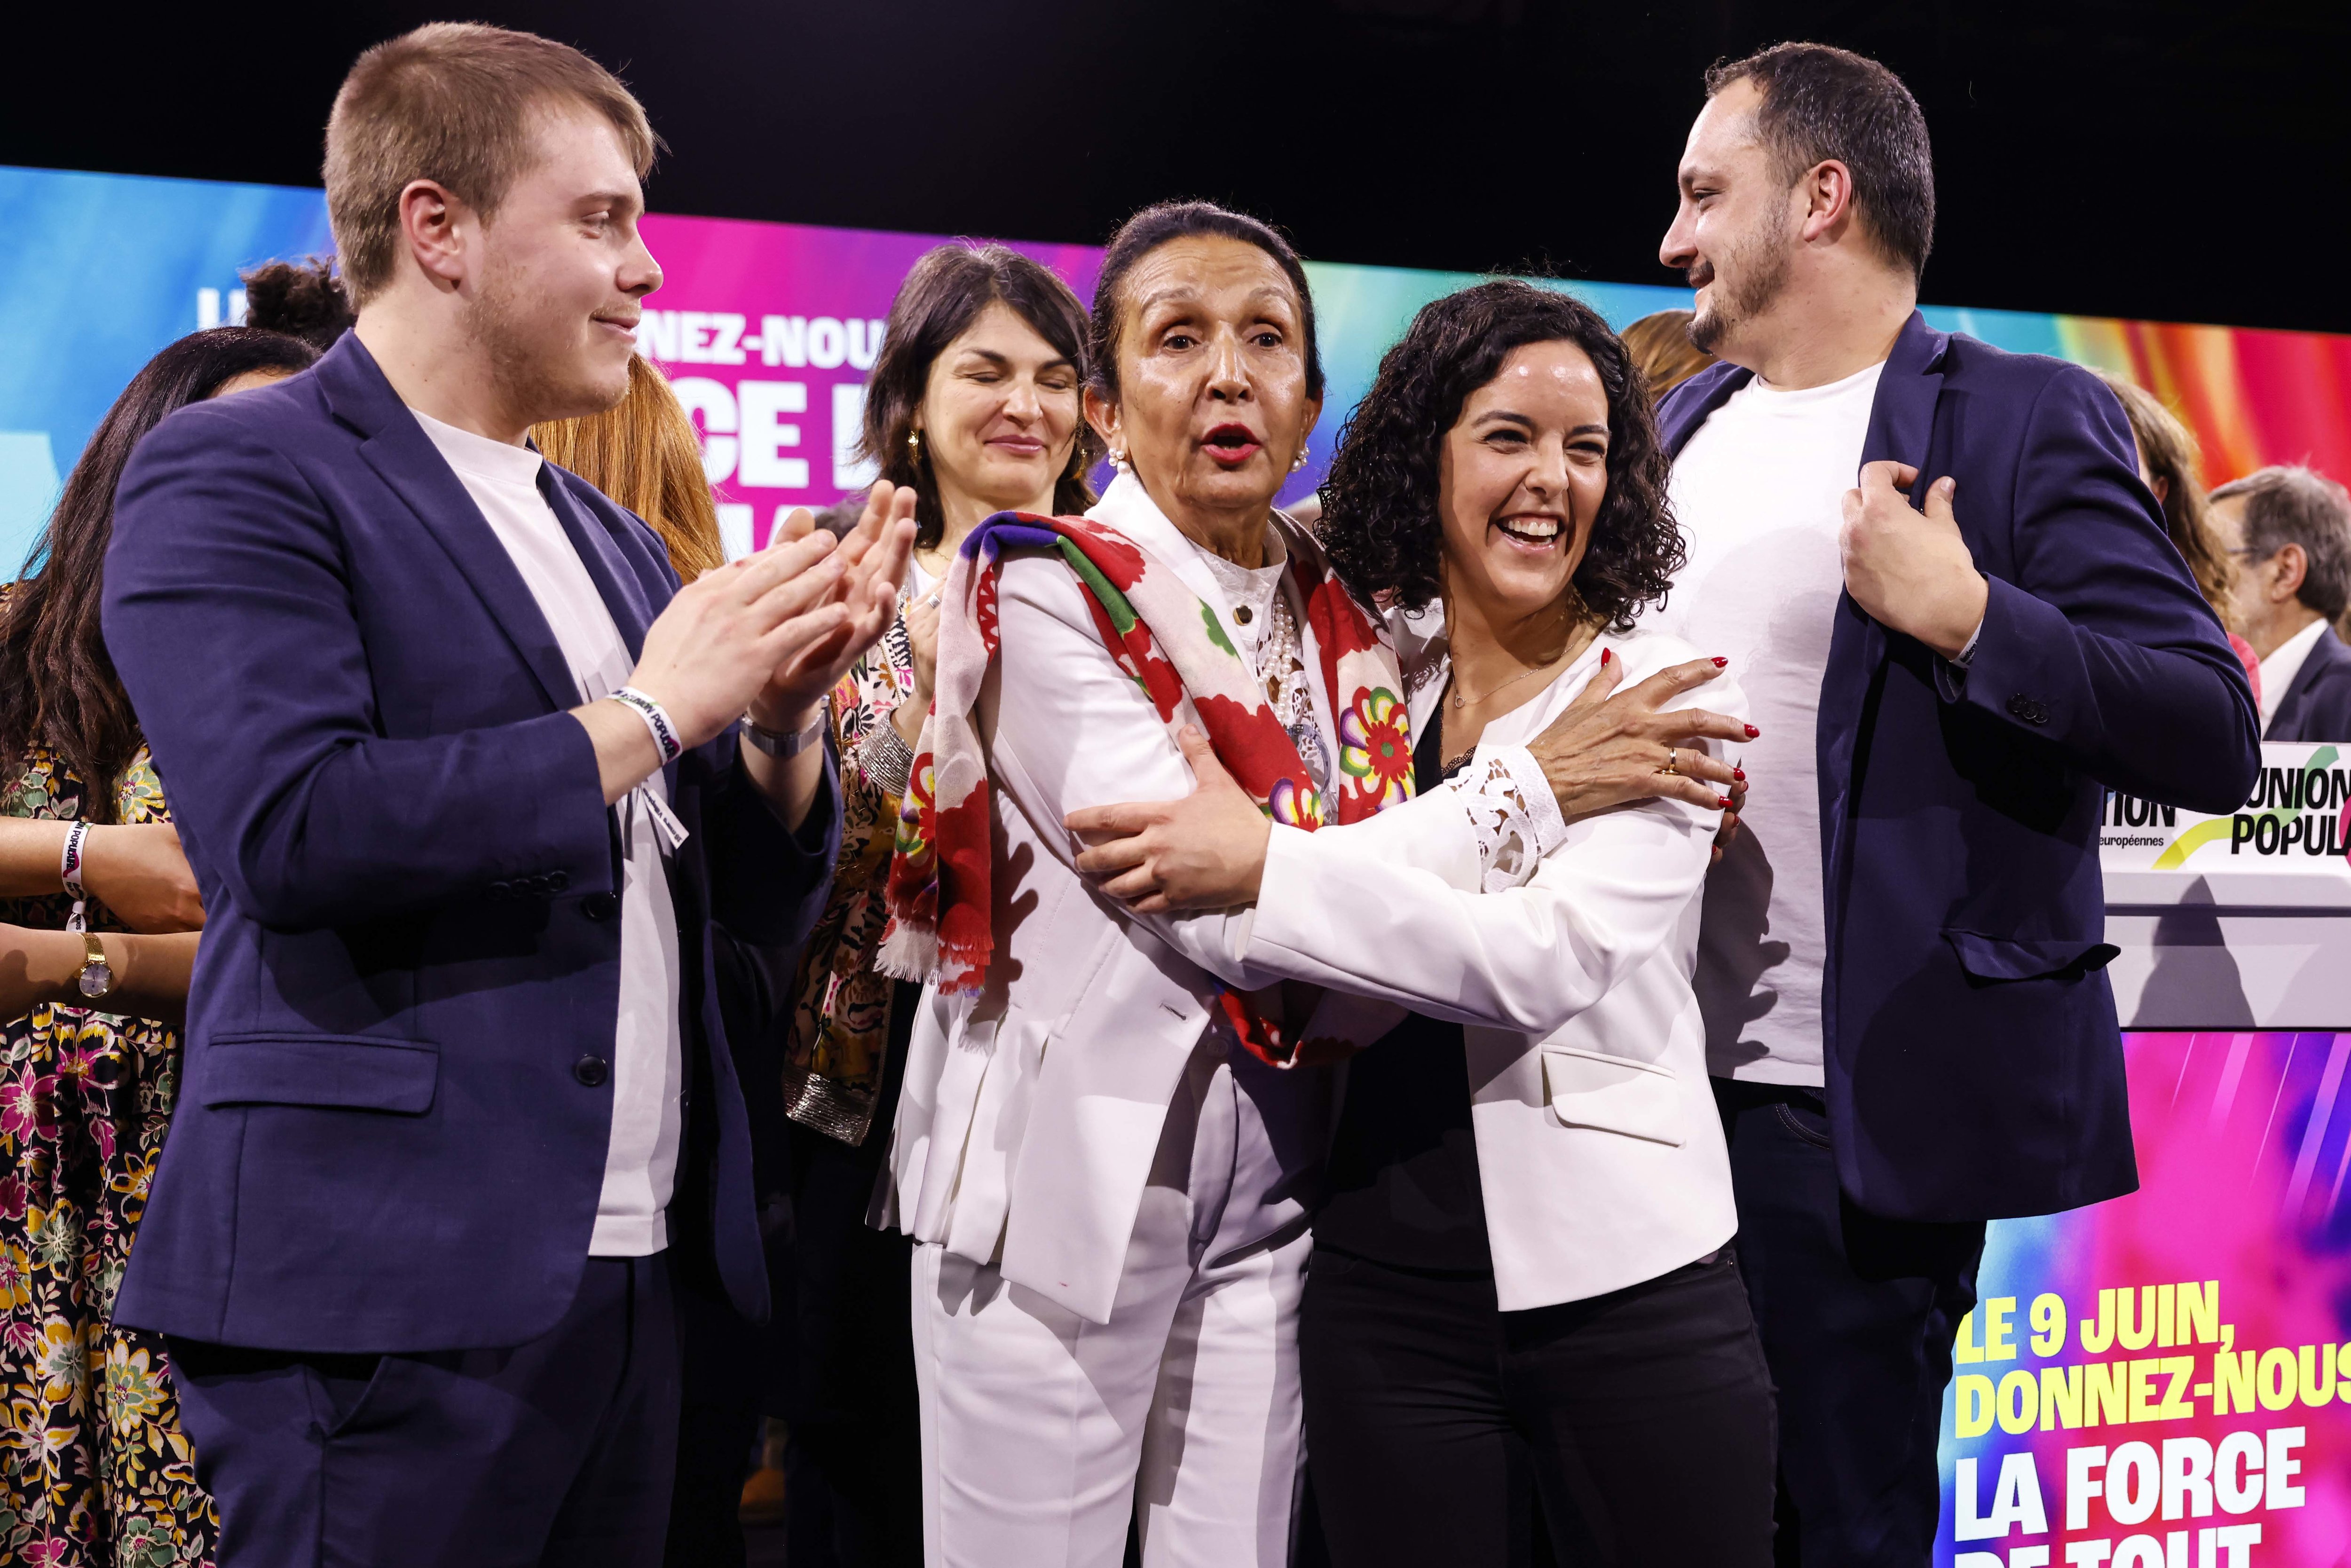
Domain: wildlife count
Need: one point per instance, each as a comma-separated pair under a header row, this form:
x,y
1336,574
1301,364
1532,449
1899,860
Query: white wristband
x,y
657,723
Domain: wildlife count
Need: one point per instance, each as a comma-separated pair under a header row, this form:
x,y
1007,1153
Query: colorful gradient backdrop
x,y
2243,1139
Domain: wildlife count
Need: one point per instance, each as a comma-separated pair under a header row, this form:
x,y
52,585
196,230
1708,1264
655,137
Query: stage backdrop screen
x,y
2159,1382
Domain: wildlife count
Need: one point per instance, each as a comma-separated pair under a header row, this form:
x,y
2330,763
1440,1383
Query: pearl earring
x,y
1297,462
1118,460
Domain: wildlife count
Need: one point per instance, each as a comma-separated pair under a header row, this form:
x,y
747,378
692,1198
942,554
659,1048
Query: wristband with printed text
x,y
657,722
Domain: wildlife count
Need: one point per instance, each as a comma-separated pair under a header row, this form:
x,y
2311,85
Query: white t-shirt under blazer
x,y
1758,490
648,1056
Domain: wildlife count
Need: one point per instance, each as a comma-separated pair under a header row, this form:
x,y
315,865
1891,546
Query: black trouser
x,y
1641,1420
855,1416
1857,1314
555,1452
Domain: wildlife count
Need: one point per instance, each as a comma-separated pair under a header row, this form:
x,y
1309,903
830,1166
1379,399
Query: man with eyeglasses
x,y
2289,532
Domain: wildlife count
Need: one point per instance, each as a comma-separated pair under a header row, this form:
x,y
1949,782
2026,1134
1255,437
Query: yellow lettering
x,y
2232,1383
2098,1334
1998,1340
1975,1405
2061,1398
2048,1324
2105,1387
1966,1352
2199,1313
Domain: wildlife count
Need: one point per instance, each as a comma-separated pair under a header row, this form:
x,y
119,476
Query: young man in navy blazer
x,y
457,1100
1901,964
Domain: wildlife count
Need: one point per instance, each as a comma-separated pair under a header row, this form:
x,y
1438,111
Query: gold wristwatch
x,y
96,976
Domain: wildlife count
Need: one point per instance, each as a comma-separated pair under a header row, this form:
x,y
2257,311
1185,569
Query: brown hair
x,y
941,297
1663,353
451,102
641,451
2172,456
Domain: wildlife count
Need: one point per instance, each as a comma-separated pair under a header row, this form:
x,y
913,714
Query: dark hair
x,y
2301,507
1820,103
1380,507
1152,227
305,300
941,297
61,690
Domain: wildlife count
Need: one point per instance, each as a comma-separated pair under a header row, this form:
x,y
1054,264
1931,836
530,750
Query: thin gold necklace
x,y
1461,699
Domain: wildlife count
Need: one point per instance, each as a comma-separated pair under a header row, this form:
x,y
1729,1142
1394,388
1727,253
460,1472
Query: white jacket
x,y
1031,1112
1598,1144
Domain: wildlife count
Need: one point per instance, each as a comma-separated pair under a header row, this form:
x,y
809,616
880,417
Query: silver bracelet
x,y
783,745
886,758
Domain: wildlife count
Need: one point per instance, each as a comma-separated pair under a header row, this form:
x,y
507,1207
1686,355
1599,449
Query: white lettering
x,y
2237,1472
726,338
711,405
2081,1486
2282,1467
828,343
849,471
865,343
2134,1486
2186,1478
657,335
783,340
765,436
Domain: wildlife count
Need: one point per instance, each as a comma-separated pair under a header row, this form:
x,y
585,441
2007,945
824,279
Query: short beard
x,y
519,368
1760,268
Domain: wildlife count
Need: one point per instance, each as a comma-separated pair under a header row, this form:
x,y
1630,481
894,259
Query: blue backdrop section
x,y
99,271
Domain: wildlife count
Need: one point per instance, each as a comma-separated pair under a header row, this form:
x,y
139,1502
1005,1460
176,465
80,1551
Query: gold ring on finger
x,y
1672,760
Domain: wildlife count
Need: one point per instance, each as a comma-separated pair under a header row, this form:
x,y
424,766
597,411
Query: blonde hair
x,y
451,102
1661,347
642,453
2171,456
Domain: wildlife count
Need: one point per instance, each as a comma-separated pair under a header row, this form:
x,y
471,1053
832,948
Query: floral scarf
x,y
1176,648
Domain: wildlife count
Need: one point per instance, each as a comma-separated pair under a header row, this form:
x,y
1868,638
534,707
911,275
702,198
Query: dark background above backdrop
x,y
2144,158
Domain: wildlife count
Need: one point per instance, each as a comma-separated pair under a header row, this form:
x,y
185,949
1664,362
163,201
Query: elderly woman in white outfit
x,y
1520,1280
1110,1195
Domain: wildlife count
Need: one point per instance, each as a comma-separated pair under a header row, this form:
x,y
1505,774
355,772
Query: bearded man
x,y
1901,961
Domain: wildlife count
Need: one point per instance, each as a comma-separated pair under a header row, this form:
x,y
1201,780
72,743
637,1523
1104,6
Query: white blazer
x,y
1598,1143
1030,1111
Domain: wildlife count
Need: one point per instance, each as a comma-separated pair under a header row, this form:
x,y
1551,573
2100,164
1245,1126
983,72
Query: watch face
x,y
97,979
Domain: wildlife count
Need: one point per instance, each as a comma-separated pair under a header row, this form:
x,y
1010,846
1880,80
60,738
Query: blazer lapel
x,y
404,457
1693,402
617,582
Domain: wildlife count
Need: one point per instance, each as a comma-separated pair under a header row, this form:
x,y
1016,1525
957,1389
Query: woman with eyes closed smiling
x,y
1522,1282
974,403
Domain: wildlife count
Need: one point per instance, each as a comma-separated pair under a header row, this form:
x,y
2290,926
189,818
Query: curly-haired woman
x,y
1522,1279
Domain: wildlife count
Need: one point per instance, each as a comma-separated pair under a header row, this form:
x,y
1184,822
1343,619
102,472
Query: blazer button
x,y
598,905
591,1070
557,879
501,890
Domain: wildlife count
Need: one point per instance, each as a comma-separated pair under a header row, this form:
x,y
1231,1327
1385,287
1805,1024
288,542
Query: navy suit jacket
x,y
2317,702
389,1136
1973,1062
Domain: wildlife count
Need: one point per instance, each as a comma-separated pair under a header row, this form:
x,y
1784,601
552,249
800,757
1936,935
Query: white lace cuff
x,y
1513,814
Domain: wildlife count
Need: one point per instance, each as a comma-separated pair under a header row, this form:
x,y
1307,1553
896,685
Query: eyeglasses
x,y
2251,551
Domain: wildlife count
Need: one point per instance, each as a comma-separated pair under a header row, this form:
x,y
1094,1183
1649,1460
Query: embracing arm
x,y
2103,646
1336,911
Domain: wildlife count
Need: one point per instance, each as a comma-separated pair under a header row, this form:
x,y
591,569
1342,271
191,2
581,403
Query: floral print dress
x,y
95,1469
